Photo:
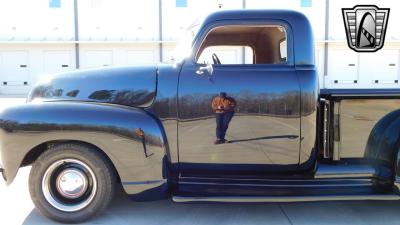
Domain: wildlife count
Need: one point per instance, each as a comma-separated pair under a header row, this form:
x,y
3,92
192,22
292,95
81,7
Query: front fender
x,y
132,138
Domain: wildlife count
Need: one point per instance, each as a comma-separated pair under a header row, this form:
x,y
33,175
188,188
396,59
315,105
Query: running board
x,y
345,171
286,198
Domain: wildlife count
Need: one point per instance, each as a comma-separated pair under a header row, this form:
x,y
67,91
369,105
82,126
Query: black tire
x,y
48,174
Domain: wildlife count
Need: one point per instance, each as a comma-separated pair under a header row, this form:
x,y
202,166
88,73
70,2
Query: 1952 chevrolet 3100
x,y
259,131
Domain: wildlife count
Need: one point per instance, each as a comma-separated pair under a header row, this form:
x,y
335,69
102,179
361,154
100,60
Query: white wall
x,y
118,20
20,63
118,55
26,20
125,32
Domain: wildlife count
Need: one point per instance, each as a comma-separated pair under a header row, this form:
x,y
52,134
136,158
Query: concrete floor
x,y
16,207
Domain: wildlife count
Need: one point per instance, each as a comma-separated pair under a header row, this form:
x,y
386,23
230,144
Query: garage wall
x,y
119,55
38,39
25,20
21,65
348,69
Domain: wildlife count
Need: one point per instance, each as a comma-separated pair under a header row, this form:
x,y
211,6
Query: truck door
x,y
240,117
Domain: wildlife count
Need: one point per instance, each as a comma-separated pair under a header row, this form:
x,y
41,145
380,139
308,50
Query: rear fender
x,y
132,138
383,144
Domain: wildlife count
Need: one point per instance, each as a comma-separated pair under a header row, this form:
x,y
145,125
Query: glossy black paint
x,y
110,128
308,79
266,122
130,86
165,108
384,140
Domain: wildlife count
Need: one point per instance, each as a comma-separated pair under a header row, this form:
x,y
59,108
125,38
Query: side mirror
x,y
209,68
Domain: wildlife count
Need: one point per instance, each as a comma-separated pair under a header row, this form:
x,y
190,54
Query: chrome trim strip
x,y
348,171
326,128
336,126
145,182
280,185
366,95
274,180
284,198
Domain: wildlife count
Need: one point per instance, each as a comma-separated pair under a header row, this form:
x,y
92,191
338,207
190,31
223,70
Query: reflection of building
x,y
38,37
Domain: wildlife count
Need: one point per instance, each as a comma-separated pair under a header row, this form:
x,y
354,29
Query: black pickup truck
x,y
259,131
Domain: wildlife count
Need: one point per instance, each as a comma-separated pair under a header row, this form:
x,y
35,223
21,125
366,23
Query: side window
x,y
283,50
227,54
244,44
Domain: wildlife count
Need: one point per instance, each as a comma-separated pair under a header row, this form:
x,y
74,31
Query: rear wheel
x,y
72,182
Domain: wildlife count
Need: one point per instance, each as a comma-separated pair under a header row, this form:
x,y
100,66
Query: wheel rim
x,y
69,185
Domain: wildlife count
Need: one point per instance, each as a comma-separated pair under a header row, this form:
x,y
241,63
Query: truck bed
x,y
353,114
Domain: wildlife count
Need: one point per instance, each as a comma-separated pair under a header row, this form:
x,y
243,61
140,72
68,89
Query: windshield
x,y
184,46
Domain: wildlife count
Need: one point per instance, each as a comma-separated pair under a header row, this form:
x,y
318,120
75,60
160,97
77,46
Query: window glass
x,y
244,44
227,55
283,50
181,3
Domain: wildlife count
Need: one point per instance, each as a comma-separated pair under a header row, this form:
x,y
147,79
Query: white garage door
x,y
94,58
57,61
380,68
14,72
135,57
342,69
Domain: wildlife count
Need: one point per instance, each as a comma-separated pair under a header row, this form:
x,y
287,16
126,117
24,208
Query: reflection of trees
x,y
199,105
44,91
165,108
73,93
191,106
102,95
122,97
13,126
308,102
153,140
248,102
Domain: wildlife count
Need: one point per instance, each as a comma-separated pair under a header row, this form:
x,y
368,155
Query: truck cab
x,y
204,128
265,133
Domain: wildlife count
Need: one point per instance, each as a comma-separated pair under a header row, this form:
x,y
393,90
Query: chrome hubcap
x,y
69,185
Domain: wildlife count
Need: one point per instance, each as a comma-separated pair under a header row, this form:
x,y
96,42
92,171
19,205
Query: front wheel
x,y
71,183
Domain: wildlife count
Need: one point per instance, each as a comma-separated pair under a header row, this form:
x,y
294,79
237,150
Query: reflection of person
x,y
224,108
